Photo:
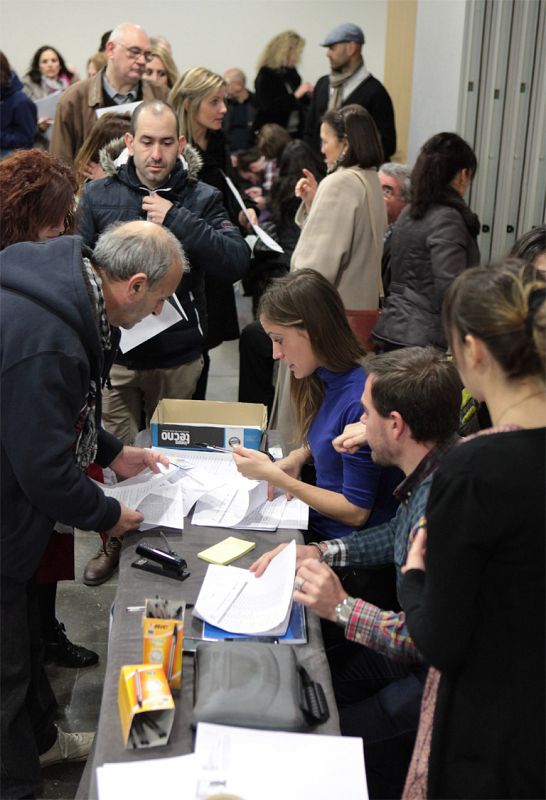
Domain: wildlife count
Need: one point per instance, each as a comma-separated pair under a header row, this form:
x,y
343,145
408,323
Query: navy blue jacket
x,y
18,117
213,245
50,351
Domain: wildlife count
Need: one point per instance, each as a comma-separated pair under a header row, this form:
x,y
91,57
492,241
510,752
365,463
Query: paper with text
x,y
149,327
263,235
235,600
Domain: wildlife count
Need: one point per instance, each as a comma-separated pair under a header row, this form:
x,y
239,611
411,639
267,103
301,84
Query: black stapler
x,y
169,564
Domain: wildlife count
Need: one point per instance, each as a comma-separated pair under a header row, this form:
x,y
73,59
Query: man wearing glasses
x,y
120,82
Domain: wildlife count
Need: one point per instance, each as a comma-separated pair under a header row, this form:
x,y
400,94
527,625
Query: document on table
x,y
143,780
235,600
149,327
158,497
241,762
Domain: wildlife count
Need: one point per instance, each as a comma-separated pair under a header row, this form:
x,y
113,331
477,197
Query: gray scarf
x,y
337,79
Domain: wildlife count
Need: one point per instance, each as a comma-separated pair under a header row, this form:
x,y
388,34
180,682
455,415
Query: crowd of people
x,y
377,340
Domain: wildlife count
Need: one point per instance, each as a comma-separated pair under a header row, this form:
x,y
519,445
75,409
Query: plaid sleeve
x,y
385,632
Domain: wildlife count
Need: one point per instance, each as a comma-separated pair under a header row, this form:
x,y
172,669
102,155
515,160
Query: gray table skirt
x,y
125,644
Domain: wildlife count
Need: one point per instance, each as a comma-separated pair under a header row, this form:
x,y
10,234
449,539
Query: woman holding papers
x,y
303,315
473,589
47,74
199,101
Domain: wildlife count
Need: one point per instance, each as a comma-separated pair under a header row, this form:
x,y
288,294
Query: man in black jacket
x,y
57,306
350,82
155,183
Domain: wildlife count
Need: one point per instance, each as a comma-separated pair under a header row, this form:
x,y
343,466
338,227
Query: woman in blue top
x,y
303,315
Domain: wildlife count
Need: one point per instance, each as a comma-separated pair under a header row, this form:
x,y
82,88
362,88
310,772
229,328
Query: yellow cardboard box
x,y
146,706
163,636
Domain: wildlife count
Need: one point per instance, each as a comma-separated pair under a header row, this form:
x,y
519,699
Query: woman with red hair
x,y
37,204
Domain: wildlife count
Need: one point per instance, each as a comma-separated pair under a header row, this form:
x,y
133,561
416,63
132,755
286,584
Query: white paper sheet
x,y
268,765
235,600
148,779
265,237
122,108
158,497
149,327
46,107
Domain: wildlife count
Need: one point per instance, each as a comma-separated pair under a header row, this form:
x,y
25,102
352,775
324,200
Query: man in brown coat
x,y
127,51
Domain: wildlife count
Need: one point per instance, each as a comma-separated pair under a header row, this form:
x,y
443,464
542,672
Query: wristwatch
x,y
344,611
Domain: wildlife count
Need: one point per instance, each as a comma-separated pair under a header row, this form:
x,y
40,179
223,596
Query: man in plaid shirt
x,y
411,412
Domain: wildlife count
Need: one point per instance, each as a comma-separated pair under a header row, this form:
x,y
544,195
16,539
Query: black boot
x,y
60,650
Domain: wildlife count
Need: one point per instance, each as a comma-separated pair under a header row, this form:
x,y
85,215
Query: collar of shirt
x,y
118,98
424,468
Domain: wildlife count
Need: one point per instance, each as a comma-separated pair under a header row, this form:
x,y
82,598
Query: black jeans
x,y
379,700
28,704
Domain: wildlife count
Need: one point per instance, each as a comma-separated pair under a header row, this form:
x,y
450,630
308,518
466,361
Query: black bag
x,y
255,685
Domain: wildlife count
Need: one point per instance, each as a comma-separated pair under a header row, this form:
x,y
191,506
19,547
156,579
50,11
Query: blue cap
x,y
346,32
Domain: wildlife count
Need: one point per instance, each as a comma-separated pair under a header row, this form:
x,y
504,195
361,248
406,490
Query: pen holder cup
x,y
163,637
146,706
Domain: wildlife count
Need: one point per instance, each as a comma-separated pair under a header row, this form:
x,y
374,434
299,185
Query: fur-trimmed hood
x,y
113,155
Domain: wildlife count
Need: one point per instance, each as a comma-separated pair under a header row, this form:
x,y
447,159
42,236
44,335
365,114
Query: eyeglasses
x,y
136,52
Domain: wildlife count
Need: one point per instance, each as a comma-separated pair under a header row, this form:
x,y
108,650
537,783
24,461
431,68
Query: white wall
x,y
436,70
217,34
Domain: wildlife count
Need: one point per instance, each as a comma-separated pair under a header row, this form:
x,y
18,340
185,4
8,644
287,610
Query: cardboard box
x,y
146,706
163,637
190,424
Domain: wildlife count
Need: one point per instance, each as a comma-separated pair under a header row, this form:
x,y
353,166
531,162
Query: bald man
x,y
127,51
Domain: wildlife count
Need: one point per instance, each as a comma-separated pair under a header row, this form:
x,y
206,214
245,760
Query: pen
x,y
214,447
173,651
138,688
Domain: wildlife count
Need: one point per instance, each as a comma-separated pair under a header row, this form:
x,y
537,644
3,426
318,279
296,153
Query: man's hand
x,y
417,553
128,521
156,208
352,438
133,460
319,588
306,189
304,552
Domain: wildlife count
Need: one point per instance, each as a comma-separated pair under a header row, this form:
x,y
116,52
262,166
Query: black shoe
x,y
62,652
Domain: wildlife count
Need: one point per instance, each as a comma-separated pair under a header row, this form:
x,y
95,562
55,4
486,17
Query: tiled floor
x,y
85,610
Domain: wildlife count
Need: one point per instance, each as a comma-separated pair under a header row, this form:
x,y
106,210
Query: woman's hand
x,y
352,438
417,553
44,123
244,222
304,88
94,171
306,189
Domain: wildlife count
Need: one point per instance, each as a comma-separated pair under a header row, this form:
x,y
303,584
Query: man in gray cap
x,y
350,82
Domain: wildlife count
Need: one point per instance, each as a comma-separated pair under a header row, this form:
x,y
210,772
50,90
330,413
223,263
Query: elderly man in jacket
x,y
57,305
159,183
127,50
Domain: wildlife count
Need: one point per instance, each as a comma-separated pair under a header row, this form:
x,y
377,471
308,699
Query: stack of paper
x,y
235,600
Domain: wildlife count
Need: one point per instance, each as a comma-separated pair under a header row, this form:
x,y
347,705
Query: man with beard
x,y
411,412
350,82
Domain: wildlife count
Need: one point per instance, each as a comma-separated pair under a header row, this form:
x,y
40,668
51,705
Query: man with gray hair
x,y
350,82
58,303
241,111
127,51
395,182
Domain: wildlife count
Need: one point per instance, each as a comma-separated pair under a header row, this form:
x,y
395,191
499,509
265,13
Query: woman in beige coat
x,y
343,221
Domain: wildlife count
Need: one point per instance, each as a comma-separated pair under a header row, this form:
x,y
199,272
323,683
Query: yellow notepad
x,y
226,551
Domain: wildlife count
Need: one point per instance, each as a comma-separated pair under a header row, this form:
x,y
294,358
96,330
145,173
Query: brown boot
x,y
102,566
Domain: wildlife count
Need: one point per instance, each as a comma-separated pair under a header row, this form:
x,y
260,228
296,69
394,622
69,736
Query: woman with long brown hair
x,y
303,315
